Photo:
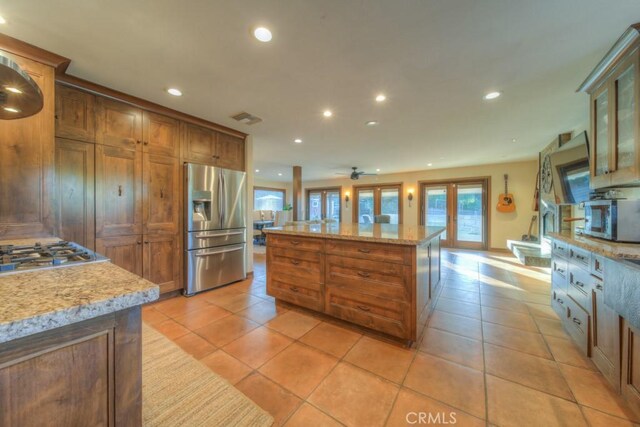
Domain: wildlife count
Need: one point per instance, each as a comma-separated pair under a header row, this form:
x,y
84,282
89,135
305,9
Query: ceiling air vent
x,y
246,118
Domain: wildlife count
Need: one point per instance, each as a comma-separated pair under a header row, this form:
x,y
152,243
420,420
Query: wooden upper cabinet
x,y
27,163
160,135
199,143
75,203
161,194
118,124
230,152
614,89
161,261
118,191
75,114
123,251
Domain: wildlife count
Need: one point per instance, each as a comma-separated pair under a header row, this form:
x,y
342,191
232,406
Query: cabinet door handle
x,y
560,301
560,270
363,308
581,257
363,274
579,283
139,242
146,242
364,251
138,141
599,287
295,262
162,193
146,143
577,321
119,190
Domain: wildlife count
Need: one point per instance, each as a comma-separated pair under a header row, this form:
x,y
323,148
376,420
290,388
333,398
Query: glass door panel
x,y
601,112
390,204
315,205
436,211
332,207
366,210
625,111
469,213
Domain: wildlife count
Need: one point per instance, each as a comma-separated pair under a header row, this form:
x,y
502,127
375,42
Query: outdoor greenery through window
x,y
268,199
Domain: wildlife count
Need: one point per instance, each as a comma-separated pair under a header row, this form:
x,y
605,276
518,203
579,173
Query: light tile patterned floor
x,y
494,353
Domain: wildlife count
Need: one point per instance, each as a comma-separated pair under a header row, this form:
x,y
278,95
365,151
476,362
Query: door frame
x,y
308,192
376,198
451,205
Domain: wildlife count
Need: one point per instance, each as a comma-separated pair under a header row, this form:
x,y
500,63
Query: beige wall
x,y
522,177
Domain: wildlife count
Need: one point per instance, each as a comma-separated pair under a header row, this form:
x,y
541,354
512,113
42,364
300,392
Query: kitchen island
x,y
70,345
384,277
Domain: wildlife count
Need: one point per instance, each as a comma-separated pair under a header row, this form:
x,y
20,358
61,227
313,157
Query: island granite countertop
x,y
630,251
381,233
40,300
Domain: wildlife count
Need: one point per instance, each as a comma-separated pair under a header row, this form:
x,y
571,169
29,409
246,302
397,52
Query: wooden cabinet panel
x,y
230,152
75,114
118,191
66,386
292,242
75,203
307,266
371,251
605,337
630,386
161,135
161,194
118,124
199,144
27,163
123,251
161,261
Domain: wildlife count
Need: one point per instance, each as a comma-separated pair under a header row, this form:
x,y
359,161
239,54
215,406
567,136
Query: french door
x,y
461,207
370,201
323,203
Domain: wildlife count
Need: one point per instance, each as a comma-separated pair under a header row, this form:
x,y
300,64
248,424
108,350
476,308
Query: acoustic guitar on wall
x,y
506,203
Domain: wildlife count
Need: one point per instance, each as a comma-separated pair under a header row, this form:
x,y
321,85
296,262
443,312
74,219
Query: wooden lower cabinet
x,y
85,374
383,287
630,384
605,351
75,202
161,261
123,251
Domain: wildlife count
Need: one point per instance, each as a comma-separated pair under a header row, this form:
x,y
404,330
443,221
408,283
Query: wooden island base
x,y
384,286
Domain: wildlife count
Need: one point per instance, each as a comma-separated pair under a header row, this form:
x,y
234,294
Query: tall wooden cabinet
x,y
202,145
614,89
27,163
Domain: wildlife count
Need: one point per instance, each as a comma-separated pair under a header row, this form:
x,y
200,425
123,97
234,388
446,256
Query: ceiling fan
x,y
355,175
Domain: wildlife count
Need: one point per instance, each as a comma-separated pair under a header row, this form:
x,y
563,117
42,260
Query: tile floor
x,y
494,353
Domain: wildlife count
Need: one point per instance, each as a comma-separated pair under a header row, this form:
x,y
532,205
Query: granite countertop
x,y
605,248
381,233
41,300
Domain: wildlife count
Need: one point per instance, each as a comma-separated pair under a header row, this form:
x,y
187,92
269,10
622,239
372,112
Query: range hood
x,y
20,96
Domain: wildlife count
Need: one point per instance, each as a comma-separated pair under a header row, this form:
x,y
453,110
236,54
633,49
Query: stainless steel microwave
x,y
616,220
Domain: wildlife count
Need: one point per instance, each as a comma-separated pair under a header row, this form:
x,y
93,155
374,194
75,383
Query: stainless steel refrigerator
x,y
215,221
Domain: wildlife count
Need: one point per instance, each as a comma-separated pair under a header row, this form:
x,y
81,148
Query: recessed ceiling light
x,y
257,170
173,91
429,164
297,141
11,109
492,95
327,113
13,89
279,173
371,123
378,170
380,98
514,140
263,34
2,20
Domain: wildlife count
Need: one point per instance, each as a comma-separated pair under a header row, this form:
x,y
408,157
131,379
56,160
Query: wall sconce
x,y
346,199
410,196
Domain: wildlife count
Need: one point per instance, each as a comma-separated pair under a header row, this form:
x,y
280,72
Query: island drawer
x,y
559,303
302,264
559,268
560,249
294,242
597,265
577,324
580,257
388,316
381,279
372,251
296,291
579,288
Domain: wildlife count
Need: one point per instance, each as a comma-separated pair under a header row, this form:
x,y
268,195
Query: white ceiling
x,y
434,59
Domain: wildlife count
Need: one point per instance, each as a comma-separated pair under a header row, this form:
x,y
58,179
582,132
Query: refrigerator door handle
x,y
224,200
220,199
219,251
217,234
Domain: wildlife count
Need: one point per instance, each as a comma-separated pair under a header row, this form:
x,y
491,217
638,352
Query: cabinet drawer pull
x,y
363,307
295,242
579,283
138,141
599,287
119,190
560,301
363,274
560,270
146,143
577,321
295,262
364,251
581,257
293,289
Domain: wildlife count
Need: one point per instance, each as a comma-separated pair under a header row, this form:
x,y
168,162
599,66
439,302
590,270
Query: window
x,y
371,201
323,203
268,199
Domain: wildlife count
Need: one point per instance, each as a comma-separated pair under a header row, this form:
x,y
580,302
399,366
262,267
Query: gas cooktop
x,y
14,259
